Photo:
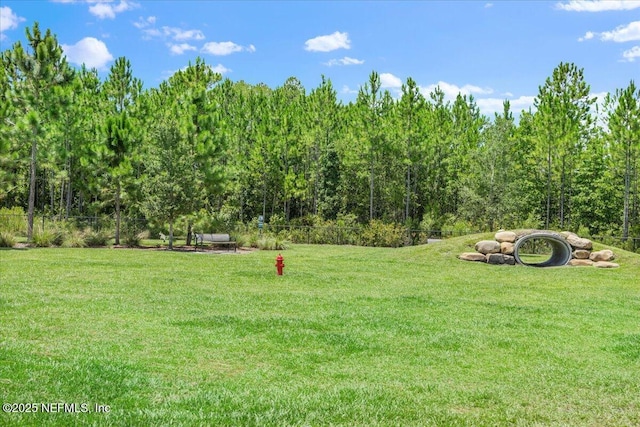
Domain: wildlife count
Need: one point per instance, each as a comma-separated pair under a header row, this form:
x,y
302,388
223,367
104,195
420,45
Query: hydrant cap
x,y
279,257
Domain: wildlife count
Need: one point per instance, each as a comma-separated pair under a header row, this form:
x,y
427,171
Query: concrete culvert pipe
x,y
560,255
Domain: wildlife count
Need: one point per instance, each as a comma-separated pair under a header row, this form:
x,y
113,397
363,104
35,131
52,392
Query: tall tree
x,y
623,119
121,90
440,130
35,76
410,107
488,188
563,124
322,157
370,104
199,107
173,184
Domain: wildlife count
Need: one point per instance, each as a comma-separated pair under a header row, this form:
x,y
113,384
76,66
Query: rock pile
x,y
501,250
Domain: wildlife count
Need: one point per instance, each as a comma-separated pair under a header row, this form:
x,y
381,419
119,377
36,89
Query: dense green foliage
x,y
348,336
201,143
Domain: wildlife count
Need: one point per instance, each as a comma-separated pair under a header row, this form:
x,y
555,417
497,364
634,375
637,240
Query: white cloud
x,y
221,69
89,51
347,89
328,43
451,91
388,80
488,5
344,61
487,105
144,23
151,32
226,48
106,9
623,33
490,106
631,54
588,36
179,49
598,5
183,35
8,20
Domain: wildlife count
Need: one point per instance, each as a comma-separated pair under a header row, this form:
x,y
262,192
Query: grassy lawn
x,y
348,336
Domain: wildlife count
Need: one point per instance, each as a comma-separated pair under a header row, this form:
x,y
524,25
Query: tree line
x,y
198,144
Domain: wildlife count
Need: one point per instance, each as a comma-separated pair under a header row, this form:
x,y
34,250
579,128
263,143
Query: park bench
x,y
215,240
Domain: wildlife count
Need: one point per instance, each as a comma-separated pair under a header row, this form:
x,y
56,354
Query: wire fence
x,y
336,235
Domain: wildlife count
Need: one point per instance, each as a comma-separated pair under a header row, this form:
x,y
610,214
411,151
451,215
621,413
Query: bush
x,y
272,243
133,239
247,240
13,221
313,229
458,227
7,240
94,238
74,239
47,238
377,233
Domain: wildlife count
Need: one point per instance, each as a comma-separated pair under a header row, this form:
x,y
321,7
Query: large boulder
x,y
488,247
501,259
581,254
472,256
506,236
603,255
577,242
580,262
605,264
507,248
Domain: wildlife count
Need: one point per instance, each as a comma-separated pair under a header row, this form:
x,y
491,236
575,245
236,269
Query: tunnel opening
x,y
542,250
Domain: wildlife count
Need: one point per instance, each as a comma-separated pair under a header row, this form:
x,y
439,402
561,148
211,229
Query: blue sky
x,y
494,50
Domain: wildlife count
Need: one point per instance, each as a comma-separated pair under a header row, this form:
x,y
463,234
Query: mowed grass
x,y
348,336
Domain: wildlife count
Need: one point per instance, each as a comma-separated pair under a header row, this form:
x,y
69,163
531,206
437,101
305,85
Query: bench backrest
x,y
219,238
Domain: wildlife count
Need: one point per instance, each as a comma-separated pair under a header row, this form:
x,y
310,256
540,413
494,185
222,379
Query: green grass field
x,y
348,336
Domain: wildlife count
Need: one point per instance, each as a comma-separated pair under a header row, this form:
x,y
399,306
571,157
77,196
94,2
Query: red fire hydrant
x,y
279,264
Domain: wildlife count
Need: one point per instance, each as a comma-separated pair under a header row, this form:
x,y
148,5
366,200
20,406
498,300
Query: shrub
x,y
94,238
13,220
74,239
7,240
47,238
457,227
377,233
272,243
246,240
267,243
432,222
133,239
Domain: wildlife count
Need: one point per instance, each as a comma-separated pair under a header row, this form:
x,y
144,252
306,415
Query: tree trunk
x,y
407,199
118,212
562,193
32,187
548,187
171,235
68,207
189,226
627,193
371,188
